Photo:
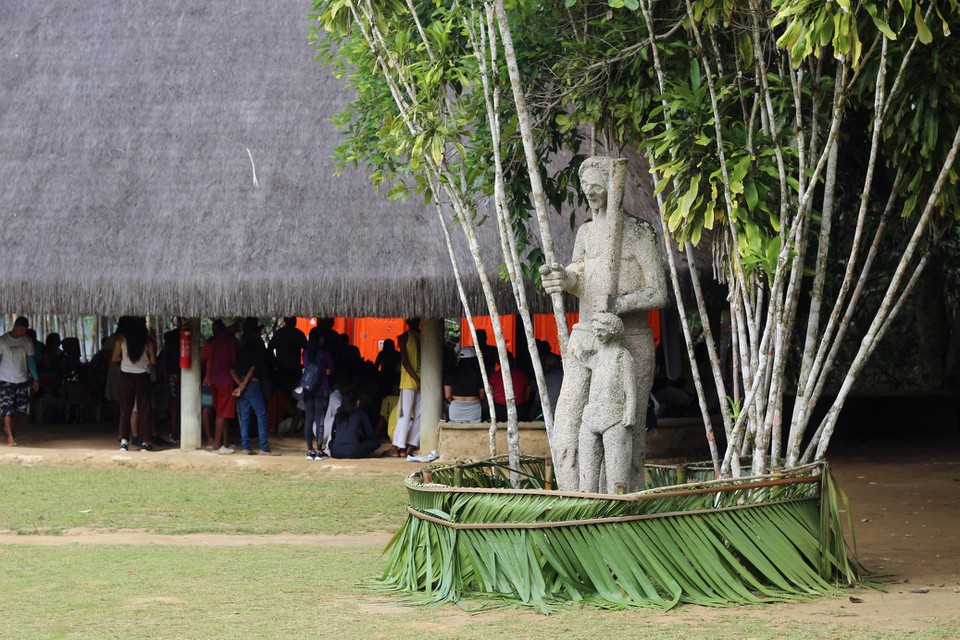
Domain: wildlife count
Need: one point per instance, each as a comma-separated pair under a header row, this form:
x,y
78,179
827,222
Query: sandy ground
x,y
904,498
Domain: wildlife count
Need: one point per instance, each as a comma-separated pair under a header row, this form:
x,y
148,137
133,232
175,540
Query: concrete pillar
x,y
190,427
431,382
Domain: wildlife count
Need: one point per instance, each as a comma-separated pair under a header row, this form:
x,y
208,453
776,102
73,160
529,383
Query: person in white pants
x,y
406,436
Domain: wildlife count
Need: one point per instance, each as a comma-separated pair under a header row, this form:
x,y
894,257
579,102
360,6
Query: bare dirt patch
x,y
86,536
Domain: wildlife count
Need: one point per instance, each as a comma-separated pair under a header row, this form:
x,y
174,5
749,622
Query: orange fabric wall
x,y
367,334
509,324
544,328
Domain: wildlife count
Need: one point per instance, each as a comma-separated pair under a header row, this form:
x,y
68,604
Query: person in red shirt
x,y
219,359
521,391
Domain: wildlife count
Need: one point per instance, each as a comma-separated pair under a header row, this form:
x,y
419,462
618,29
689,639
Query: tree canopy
x,y
788,135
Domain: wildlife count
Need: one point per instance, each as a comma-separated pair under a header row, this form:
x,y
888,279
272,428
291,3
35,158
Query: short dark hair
x,y
21,321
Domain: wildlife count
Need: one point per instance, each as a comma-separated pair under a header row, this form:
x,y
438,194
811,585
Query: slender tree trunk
x,y
533,168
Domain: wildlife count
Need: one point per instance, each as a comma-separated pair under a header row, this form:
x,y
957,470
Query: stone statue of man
x,y
617,268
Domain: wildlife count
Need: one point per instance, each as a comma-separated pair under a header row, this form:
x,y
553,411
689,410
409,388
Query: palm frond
x,y
710,542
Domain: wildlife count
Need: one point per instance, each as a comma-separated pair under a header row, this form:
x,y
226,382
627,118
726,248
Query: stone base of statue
x,y
686,539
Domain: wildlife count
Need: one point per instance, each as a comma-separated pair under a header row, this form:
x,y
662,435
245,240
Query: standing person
x,y
136,353
207,408
18,375
521,391
489,352
170,358
352,432
387,365
406,436
111,390
316,398
387,361
221,354
247,373
286,346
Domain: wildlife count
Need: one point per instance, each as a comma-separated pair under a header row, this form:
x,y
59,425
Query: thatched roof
x,y
174,158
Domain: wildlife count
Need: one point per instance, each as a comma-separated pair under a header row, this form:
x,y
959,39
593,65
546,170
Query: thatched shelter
x,y
175,158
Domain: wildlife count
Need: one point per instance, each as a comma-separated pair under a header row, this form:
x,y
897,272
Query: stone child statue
x,y
606,435
618,268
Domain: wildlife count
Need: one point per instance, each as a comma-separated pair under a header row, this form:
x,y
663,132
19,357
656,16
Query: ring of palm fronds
x,y
712,542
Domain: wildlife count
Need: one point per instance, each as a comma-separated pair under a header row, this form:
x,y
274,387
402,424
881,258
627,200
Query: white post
x,y
190,392
431,382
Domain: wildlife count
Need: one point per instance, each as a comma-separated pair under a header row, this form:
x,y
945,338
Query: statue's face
x,y
595,189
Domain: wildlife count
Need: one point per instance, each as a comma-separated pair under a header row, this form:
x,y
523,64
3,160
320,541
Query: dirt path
x,y
86,536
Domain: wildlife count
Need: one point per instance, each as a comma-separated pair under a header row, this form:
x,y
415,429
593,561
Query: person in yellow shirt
x,y
406,435
387,423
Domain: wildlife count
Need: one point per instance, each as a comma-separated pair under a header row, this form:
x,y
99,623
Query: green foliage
x,y
589,65
926,108
445,132
659,548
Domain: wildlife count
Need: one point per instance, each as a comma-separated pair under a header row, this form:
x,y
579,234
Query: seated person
x,y
353,435
463,388
387,420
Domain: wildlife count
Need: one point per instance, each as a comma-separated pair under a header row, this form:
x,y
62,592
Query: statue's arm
x,y
649,257
557,279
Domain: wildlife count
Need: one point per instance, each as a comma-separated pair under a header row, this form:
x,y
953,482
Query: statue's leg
x,y
642,348
618,455
589,457
566,423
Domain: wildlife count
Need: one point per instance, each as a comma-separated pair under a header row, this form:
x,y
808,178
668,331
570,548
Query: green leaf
x,y
772,255
923,32
878,21
750,195
695,74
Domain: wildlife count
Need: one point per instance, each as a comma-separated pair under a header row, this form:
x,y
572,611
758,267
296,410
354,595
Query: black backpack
x,y
310,379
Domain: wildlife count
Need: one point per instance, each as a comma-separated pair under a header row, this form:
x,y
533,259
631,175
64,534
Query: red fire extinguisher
x,y
186,347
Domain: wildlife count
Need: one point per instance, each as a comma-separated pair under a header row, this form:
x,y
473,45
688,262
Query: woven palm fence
x,y
716,543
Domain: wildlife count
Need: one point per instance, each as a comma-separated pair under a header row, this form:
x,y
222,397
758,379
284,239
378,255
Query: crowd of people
x,y
319,384
464,391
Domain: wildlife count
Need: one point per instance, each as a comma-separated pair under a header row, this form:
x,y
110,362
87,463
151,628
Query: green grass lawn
x,y
132,591
177,501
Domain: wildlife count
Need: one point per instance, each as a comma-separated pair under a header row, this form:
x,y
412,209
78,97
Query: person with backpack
x,y
315,387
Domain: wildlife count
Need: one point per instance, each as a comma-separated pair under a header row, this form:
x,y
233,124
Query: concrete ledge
x,y
671,438
471,440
